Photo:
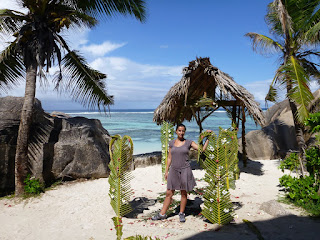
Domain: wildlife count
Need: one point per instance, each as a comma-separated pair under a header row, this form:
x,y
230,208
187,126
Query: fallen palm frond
x,y
166,136
121,151
221,165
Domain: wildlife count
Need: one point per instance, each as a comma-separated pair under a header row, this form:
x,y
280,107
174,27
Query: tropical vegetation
x,y
295,28
304,191
38,45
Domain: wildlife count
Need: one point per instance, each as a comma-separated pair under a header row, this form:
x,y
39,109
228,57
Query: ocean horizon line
x,y
129,110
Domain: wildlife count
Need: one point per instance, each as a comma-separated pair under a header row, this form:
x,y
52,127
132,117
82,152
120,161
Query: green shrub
x,y
302,192
313,122
291,162
33,186
313,162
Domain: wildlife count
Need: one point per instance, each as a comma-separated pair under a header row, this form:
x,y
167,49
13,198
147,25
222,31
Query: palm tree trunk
x,y
21,158
299,136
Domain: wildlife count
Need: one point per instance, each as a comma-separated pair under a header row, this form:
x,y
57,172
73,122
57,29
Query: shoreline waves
x,y
139,125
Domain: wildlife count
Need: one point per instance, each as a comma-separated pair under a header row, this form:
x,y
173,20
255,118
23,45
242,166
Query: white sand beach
x,y
81,210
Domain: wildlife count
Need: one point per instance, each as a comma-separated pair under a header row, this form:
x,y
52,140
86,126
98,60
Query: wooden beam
x,y
229,103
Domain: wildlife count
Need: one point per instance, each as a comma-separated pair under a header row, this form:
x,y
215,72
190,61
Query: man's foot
x,y
159,217
182,217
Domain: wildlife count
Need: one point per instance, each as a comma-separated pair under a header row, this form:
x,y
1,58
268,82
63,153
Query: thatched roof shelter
x,y
199,79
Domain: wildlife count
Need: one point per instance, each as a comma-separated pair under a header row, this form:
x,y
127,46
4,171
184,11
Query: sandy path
x,y
82,211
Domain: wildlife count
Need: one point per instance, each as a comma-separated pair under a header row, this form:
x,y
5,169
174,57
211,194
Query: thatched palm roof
x,y
199,77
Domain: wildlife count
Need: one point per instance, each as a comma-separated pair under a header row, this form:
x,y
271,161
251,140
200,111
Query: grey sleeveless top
x,y
180,155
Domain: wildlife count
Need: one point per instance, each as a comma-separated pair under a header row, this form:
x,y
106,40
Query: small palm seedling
x,y
221,165
121,151
166,136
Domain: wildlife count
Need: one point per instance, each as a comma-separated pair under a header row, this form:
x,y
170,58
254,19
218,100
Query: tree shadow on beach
x,y
278,228
139,204
192,208
253,167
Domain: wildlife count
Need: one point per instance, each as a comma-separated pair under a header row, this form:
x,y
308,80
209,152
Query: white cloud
x,y
132,82
314,85
133,85
259,89
102,49
164,46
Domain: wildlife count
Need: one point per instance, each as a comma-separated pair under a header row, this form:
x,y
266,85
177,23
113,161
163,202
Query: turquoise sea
x,y
145,133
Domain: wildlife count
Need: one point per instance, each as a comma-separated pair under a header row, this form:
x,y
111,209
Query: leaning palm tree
x,y
295,26
37,46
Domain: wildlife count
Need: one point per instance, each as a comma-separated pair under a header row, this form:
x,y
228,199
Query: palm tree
x,y
37,45
295,26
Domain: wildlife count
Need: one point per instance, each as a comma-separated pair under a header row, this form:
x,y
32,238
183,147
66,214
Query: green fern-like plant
x,y
139,237
121,152
221,165
229,142
167,134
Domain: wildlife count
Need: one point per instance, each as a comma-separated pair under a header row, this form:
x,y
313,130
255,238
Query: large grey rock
x,y
81,150
10,109
61,147
263,151
273,208
277,138
146,159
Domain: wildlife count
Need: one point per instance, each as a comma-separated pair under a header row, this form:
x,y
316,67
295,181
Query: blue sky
x,y
144,60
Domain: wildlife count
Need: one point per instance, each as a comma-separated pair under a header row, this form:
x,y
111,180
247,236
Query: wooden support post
x,y
234,114
239,109
243,135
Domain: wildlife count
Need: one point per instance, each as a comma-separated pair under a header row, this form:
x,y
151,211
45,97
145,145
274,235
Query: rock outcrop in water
x,y
277,138
61,147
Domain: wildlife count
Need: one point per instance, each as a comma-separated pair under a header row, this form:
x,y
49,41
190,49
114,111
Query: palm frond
x,y
313,35
121,150
102,8
279,18
272,94
80,19
311,68
85,83
167,134
264,44
300,92
221,165
11,67
311,27
10,21
62,15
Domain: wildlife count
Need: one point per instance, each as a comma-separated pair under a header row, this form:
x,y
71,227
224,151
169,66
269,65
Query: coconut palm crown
x,y
295,26
38,45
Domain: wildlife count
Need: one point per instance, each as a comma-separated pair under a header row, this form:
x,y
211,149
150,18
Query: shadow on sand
x,y
139,204
289,227
253,167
